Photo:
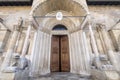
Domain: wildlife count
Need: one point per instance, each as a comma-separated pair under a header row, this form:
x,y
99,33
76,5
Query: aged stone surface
x,y
93,37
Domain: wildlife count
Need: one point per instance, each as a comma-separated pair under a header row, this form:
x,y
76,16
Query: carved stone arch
x,y
53,5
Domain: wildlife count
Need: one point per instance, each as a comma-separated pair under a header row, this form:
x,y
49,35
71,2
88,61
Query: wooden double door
x,y
60,61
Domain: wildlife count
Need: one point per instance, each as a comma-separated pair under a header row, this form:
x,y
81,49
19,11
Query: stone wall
x,y
105,15
11,14
108,15
101,14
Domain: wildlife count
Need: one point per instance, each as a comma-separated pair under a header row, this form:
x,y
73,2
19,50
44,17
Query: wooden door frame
x,y
60,54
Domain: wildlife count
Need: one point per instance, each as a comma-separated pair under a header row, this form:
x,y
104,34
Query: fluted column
x,y
40,58
87,54
32,57
81,53
10,51
79,57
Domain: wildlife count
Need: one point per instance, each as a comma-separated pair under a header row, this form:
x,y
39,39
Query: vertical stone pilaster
x,y
87,54
20,44
32,58
99,30
4,42
110,52
34,55
25,46
93,41
70,49
114,41
81,53
40,57
10,51
20,40
98,41
97,60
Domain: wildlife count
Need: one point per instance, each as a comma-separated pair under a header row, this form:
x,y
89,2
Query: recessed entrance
x,y
60,61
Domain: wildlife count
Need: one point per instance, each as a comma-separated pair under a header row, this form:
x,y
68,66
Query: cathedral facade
x,y
63,36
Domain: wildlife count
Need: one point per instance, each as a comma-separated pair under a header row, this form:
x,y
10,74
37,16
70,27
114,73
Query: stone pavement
x,y
61,76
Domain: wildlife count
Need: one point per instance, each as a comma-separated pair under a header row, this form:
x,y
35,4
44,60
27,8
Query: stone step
x,y
61,79
62,76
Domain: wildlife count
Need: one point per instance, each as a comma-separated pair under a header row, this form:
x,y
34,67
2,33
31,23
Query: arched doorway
x,y
44,19
60,61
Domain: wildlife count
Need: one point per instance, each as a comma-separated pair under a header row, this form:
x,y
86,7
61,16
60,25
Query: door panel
x,y
55,54
65,63
60,54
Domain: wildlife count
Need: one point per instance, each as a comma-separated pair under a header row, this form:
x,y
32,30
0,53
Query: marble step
x,y
62,76
61,79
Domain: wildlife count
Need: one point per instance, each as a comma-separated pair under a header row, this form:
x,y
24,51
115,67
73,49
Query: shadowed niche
x,y
59,27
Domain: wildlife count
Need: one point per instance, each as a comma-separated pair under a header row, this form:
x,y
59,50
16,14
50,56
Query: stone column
x,y
93,41
21,43
111,54
99,30
25,46
19,40
87,54
97,60
33,55
6,63
4,42
98,41
115,44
